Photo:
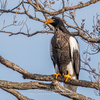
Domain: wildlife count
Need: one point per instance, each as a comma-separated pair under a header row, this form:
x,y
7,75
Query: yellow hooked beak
x,y
49,21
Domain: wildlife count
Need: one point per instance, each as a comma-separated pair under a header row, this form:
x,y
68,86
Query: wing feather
x,y
53,54
52,51
76,62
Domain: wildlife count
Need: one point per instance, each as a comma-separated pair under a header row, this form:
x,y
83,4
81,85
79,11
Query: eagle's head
x,y
54,21
57,23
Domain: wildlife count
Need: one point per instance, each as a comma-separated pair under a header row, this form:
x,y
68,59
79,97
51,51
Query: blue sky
x,y
33,55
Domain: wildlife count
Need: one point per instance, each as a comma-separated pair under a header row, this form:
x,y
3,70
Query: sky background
x,y
33,54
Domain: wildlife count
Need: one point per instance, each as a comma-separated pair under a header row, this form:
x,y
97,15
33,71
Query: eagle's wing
x,y
76,62
75,55
75,58
53,54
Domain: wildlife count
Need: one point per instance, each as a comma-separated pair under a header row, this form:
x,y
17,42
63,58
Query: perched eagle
x,y
65,53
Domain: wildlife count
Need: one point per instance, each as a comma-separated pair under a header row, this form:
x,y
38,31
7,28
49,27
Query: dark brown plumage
x,y
61,49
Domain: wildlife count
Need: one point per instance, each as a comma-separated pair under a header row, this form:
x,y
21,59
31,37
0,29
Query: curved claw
x,y
67,77
58,74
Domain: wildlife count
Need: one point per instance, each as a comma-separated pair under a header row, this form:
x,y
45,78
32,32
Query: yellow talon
x,y
58,74
67,77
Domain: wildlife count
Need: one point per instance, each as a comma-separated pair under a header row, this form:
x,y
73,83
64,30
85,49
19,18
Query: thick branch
x,y
16,94
29,75
55,86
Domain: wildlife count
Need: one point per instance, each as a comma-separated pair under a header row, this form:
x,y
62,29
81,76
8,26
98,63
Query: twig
x,y
63,8
10,11
37,19
23,24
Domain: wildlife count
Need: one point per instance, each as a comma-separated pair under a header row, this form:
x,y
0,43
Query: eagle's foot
x,y
58,74
67,77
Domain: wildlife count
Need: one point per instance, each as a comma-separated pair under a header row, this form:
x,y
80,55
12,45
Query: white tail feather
x,y
70,87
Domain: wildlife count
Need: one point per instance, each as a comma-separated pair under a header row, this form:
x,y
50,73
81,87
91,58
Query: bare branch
x,y
23,24
55,86
84,36
17,6
29,75
64,9
16,94
10,11
37,19
53,13
12,33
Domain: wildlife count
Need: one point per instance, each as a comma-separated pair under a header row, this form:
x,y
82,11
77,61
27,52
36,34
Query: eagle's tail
x,y
70,87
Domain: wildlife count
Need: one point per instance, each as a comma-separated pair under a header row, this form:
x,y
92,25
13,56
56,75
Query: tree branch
x,y
52,13
12,33
92,40
37,19
18,6
16,94
81,5
54,86
84,36
39,77
65,8
10,11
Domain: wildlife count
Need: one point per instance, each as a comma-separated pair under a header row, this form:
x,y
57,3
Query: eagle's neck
x,y
58,31
60,34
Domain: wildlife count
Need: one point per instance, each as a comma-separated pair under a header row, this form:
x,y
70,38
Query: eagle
x,y
65,52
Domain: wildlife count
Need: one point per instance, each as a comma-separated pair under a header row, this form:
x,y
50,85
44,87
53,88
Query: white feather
x,y
73,75
71,70
73,45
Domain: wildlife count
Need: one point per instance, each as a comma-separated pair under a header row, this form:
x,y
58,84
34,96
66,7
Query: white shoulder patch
x,y
73,45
